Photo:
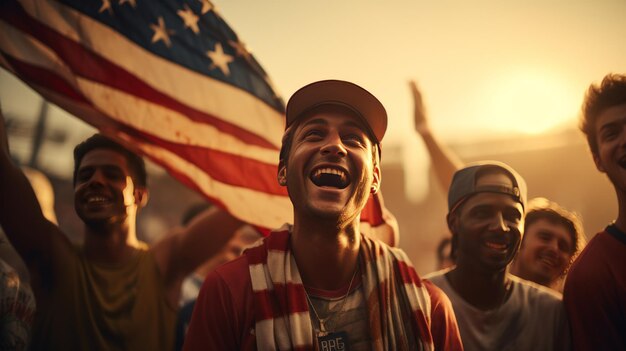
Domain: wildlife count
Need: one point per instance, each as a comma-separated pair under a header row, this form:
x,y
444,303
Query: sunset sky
x,y
486,68
483,65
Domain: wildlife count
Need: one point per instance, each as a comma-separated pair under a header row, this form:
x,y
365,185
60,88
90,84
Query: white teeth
x,y
495,246
96,199
329,171
549,261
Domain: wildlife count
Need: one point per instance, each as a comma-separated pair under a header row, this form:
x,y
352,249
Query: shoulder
x,y
444,327
233,275
224,313
532,294
227,291
596,257
438,278
437,295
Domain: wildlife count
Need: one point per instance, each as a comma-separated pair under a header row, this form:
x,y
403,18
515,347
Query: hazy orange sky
x,y
504,65
483,66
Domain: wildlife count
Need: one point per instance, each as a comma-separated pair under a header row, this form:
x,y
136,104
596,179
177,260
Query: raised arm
x,y
180,252
20,213
444,161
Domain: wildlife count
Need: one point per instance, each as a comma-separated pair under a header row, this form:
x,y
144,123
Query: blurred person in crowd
x,y
244,237
17,301
320,283
495,310
553,236
595,289
113,292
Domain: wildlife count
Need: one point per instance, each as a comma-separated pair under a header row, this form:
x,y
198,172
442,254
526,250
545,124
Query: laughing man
x,y
495,310
320,283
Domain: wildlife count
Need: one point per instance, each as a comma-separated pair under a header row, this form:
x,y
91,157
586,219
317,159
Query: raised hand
x,y
421,122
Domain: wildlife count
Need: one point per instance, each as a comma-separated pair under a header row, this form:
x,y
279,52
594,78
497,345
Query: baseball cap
x,y
341,93
464,184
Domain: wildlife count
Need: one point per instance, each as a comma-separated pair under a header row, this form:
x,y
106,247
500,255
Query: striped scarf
x,y
398,304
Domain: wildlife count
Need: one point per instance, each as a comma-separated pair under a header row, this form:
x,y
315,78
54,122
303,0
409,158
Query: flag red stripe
x,y
408,274
94,67
372,213
221,166
43,77
422,325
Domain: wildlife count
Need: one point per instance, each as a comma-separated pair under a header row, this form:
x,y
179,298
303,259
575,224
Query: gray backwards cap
x,y
464,184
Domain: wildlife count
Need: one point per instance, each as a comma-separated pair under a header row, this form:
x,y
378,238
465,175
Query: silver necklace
x,y
322,321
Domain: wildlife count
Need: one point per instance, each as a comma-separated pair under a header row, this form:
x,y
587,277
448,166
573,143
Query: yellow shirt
x,y
96,307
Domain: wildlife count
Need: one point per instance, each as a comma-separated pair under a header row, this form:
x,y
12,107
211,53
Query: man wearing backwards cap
x,y
495,310
319,283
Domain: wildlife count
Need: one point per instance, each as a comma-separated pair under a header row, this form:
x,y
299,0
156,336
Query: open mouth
x,y
622,162
330,177
548,261
96,200
496,244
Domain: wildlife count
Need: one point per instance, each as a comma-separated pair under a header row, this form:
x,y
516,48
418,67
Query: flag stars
x,y
132,3
161,33
106,6
189,18
206,6
240,48
220,59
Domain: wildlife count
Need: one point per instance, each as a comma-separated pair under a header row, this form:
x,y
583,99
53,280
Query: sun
x,y
529,101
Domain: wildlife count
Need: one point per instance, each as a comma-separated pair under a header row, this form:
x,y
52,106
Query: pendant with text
x,y
333,341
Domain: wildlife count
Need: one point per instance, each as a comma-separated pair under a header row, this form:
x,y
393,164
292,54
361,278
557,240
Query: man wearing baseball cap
x,y
320,283
495,310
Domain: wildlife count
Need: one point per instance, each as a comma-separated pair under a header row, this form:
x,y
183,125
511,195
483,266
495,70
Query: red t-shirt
x,y
595,293
223,318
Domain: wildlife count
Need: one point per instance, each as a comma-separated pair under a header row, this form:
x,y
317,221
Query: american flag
x,y
170,80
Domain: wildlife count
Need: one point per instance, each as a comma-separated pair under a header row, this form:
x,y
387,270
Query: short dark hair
x,y
98,141
610,92
542,208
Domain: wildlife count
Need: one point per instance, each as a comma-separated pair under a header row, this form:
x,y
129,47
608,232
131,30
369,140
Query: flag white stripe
x,y
259,284
168,124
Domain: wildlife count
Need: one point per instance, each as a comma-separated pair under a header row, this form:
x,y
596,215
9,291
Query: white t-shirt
x,y
532,318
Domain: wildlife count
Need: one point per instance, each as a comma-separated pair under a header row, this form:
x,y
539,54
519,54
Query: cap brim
x,y
339,92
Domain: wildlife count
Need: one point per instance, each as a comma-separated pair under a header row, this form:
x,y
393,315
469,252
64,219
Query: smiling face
x,y
487,227
330,168
104,191
545,253
610,157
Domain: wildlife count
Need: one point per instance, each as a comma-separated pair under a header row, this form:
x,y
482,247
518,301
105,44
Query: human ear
x,y
376,181
282,174
451,218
